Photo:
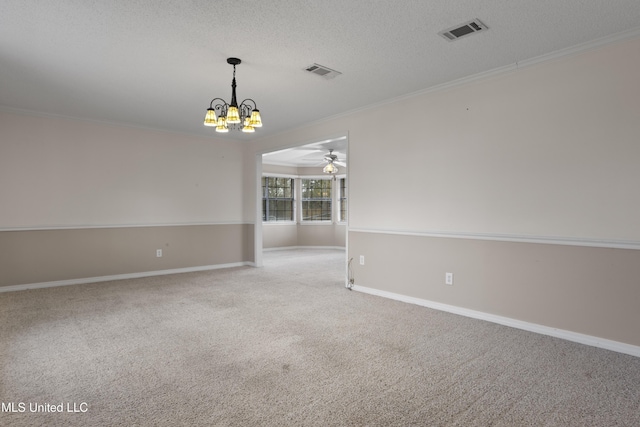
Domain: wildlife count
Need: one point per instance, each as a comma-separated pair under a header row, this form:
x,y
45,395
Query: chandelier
x,y
223,116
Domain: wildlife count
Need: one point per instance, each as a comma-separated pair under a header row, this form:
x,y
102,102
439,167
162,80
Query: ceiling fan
x,y
315,158
330,159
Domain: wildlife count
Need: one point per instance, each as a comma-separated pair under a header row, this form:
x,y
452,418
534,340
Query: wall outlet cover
x,y
448,278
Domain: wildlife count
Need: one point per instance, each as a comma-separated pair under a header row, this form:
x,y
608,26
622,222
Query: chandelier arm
x,y
246,109
255,106
223,102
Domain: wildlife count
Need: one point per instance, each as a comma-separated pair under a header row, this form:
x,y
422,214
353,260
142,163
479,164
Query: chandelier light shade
x,y
221,126
224,116
210,118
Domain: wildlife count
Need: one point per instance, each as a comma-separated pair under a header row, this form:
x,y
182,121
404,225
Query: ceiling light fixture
x,y
245,117
330,168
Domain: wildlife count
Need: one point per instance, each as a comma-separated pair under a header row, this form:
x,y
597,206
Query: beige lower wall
x,y
279,235
288,235
38,256
588,290
322,235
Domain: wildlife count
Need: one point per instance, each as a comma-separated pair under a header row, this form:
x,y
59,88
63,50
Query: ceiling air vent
x,y
463,30
322,71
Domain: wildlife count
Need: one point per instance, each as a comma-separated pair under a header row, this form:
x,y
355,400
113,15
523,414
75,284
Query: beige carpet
x,y
288,345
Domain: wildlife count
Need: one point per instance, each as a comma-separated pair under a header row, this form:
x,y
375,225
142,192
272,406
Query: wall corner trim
x,y
88,280
589,340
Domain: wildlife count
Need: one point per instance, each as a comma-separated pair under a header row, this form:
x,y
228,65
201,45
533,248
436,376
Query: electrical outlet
x,y
159,253
448,279
361,259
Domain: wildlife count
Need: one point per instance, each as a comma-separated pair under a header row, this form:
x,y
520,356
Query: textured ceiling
x,y
157,64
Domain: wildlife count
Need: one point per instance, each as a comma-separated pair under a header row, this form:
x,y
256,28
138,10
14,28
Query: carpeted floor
x,y
288,345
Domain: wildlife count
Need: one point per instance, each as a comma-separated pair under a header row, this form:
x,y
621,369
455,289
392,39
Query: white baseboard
x,y
120,277
616,346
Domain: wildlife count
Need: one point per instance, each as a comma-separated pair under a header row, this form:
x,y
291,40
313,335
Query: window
x,y
342,199
316,199
277,199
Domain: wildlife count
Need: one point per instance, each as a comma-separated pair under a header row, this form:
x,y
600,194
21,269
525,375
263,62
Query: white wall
x,y
550,150
59,172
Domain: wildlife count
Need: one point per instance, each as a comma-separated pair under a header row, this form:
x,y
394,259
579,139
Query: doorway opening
x,y
299,204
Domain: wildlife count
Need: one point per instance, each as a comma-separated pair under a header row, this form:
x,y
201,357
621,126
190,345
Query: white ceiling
x,y
310,155
157,64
